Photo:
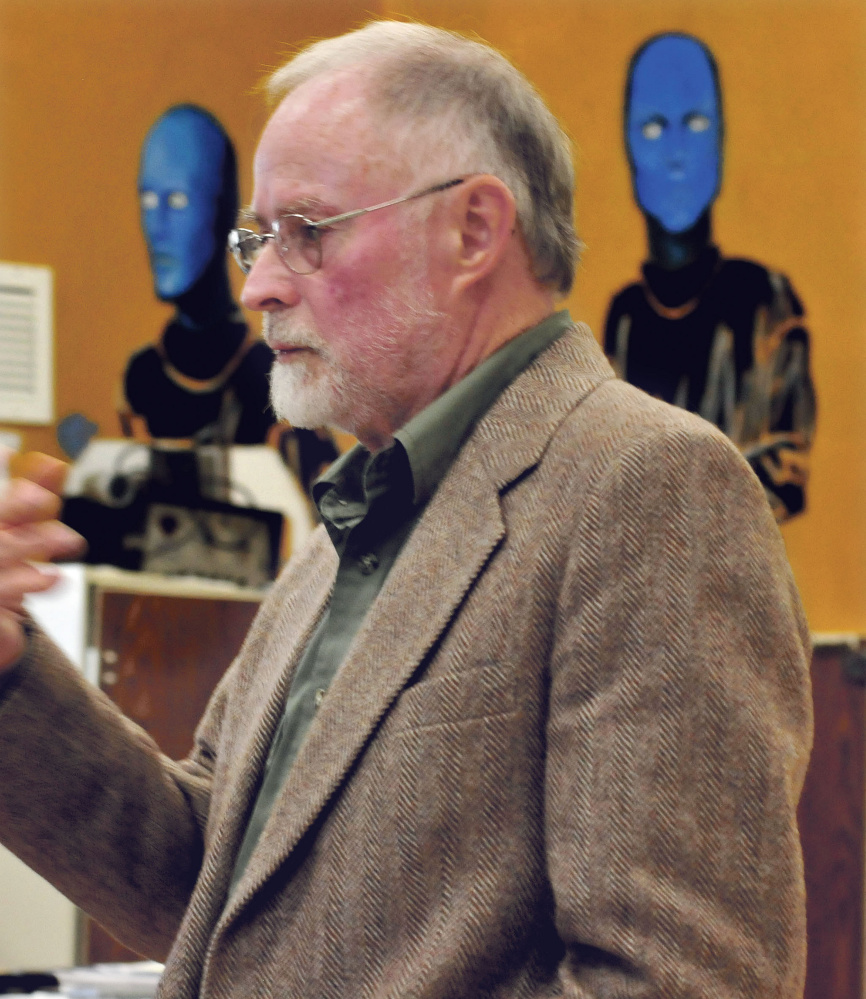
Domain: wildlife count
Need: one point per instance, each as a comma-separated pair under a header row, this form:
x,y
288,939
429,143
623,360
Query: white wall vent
x,y
26,344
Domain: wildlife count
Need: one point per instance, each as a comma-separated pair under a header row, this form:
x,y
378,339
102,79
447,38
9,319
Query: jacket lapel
x,y
425,586
439,563
303,595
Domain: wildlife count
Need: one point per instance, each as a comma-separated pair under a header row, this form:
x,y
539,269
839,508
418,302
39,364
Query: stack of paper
x,y
137,980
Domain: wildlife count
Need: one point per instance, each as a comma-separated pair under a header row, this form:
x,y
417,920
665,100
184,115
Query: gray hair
x,y
465,108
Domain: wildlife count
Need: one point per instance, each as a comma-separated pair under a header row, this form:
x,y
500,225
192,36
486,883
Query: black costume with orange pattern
x,y
209,384
725,338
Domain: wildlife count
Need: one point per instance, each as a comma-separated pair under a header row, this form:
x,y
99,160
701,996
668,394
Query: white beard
x,y
392,348
304,398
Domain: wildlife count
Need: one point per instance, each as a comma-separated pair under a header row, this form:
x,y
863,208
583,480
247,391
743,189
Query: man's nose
x,y
270,285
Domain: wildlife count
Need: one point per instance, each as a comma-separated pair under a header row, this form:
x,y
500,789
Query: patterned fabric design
x,y
727,339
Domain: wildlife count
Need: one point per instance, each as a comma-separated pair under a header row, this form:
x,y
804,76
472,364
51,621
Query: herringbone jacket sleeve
x,y
678,734
89,802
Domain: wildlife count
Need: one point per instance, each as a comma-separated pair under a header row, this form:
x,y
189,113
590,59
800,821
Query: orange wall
x,y
81,81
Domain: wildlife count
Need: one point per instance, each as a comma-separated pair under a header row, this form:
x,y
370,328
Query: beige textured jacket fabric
x,y
562,757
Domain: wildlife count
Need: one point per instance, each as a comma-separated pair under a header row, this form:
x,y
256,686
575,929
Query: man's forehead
x,y
330,103
324,132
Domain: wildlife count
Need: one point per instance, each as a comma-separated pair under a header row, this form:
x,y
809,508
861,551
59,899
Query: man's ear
x,y
485,223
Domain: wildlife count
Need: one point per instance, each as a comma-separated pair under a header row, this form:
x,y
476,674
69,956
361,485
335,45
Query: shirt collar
x,y
433,437
347,490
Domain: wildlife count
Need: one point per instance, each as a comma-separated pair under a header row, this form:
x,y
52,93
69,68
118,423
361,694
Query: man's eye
x,y
149,200
310,233
178,199
652,130
697,122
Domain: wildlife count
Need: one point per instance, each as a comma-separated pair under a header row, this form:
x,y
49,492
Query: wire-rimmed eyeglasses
x,y
299,240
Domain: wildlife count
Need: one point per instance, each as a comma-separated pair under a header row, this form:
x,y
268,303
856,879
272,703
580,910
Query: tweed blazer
x,y
561,758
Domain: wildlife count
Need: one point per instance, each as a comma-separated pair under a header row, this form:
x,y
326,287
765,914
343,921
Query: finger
x,y
26,502
20,580
42,542
48,472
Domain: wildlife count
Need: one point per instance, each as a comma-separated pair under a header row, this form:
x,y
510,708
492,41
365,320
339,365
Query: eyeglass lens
x,y
298,243
245,246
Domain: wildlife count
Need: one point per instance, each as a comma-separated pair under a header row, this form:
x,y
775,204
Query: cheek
x,y
341,292
339,310
353,291
368,266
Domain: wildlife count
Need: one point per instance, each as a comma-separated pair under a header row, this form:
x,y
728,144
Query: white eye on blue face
x,y
697,122
149,200
178,200
653,129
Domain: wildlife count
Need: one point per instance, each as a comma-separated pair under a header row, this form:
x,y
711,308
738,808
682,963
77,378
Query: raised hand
x,y
29,533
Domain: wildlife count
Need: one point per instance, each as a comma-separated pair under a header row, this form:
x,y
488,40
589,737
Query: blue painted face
x,y
674,132
179,185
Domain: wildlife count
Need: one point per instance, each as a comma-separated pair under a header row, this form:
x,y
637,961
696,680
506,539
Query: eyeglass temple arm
x,y
386,204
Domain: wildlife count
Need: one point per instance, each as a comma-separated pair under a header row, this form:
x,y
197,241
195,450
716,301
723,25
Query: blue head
x,y
674,130
187,189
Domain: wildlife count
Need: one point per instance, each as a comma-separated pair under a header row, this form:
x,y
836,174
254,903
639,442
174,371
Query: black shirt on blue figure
x,y
723,337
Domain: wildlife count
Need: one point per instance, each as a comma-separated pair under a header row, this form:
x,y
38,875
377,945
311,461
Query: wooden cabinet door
x,y
162,656
831,817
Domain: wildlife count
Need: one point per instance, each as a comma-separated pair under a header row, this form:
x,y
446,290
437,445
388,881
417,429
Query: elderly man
x,y
529,715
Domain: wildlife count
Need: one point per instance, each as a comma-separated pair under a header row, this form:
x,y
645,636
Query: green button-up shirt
x,y
369,504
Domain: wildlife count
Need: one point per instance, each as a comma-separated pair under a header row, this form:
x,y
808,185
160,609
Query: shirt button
x,y
369,563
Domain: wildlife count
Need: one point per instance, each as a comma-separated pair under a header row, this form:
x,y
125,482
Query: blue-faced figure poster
x,y
206,377
724,337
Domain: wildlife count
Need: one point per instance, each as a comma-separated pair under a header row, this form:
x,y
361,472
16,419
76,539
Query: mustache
x,y
278,331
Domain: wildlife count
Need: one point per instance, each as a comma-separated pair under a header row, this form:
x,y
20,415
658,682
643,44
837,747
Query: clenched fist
x,y
29,533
